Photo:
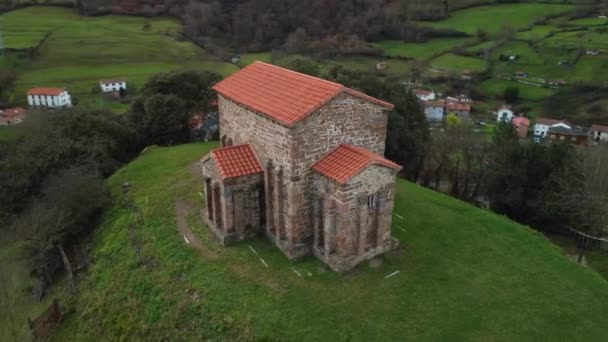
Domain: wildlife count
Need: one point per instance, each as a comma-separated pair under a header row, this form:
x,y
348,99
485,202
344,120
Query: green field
x,y
395,48
537,32
495,88
465,274
589,22
493,18
82,50
458,63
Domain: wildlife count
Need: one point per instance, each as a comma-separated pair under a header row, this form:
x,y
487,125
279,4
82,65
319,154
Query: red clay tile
x,y
284,95
236,161
346,161
45,91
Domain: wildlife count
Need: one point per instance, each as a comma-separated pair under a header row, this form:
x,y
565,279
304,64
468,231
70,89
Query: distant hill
x,y
464,274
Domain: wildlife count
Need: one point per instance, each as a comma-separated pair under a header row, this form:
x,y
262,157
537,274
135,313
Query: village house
x,y
459,98
108,86
434,110
301,161
48,98
542,126
572,135
462,110
12,116
521,125
592,52
380,66
466,74
504,114
424,94
599,133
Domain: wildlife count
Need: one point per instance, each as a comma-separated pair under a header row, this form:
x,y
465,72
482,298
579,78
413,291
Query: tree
x,y
302,64
511,94
160,119
452,120
298,41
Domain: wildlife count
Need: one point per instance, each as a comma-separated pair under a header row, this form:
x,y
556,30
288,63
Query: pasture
x,y
457,63
493,18
495,87
79,51
425,50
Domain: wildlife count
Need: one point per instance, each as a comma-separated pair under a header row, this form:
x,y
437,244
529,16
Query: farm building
x,y
424,94
573,135
108,86
521,125
504,114
12,116
434,110
302,162
48,98
462,110
542,126
599,133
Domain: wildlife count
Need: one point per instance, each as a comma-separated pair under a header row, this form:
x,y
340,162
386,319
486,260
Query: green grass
x,y
589,22
82,50
537,32
395,48
8,132
465,274
493,18
495,88
458,63
248,58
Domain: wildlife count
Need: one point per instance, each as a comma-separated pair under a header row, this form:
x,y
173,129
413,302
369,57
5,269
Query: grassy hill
x,y
465,273
76,52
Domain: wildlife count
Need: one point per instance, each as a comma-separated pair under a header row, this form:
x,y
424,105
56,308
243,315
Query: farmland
x,y
79,51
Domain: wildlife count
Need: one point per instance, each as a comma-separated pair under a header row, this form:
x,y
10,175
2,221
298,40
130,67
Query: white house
x,y
542,126
108,86
434,110
424,95
504,114
599,133
49,98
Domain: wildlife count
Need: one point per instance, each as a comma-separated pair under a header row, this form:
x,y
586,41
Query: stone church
x,y
302,162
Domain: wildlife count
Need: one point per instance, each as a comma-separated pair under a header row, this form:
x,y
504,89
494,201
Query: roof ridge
x,y
299,73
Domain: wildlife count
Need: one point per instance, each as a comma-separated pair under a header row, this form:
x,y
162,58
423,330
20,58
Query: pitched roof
x,y
45,91
458,106
599,128
284,95
236,161
423,92
346,161
574,131
520,120
116,80
12,112
550,122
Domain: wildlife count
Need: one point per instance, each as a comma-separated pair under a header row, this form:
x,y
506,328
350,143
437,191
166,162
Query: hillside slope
x,y
464,274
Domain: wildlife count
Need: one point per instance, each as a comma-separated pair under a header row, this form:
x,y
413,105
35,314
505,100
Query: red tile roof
x,y
284,95
422,92
12,112
520,120
236,161
550,122
346,161
599,128
458,106
45,91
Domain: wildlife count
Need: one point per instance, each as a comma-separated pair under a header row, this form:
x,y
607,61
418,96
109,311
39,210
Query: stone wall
x,y
346,119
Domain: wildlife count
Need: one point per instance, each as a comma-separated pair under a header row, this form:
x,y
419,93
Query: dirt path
x,y
182,208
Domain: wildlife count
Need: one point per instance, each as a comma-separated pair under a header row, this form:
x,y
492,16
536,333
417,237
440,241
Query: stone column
x,y
228,212
280,230
328,225
316,219
269,197
209,199
363,225
217,207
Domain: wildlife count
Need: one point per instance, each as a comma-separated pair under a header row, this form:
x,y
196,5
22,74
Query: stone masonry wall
x,y
346,119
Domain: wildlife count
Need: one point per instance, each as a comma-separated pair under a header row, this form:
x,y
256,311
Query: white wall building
x,y
504,114
424,95
542,126
108,86
49,98
599,133
434,110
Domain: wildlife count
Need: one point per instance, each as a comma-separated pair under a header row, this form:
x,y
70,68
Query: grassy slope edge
x,y
465,274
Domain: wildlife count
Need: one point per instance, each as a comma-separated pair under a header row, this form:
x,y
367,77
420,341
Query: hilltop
x,y
464,273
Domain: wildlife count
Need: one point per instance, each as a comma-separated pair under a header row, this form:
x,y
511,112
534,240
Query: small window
x,y
371,201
